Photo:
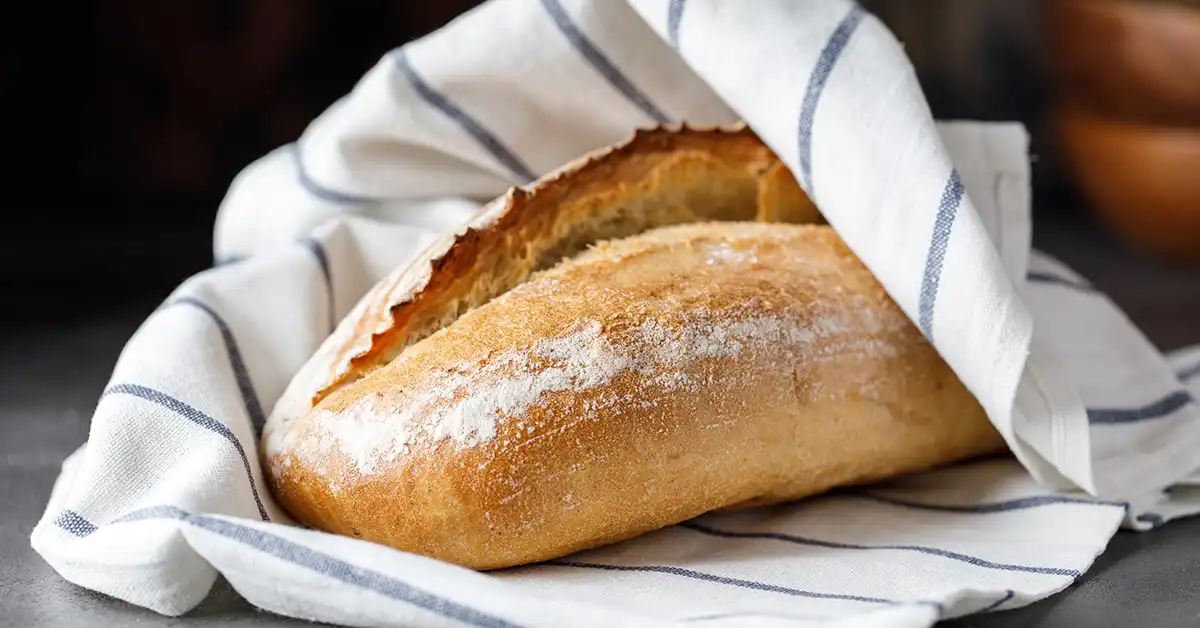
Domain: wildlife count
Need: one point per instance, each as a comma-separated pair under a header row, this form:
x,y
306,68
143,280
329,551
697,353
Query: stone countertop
x,y
52,374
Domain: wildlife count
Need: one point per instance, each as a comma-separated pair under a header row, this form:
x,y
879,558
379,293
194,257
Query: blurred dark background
x,y
126,120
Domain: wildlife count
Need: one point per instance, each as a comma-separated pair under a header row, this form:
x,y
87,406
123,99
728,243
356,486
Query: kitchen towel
x,y
168,491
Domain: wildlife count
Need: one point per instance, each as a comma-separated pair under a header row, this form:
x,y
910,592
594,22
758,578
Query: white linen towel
x,y
168,492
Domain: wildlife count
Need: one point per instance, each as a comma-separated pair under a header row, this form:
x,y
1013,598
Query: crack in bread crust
x,y
659,177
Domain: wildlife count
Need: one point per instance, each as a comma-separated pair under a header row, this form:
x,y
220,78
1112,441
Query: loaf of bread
x,y
643,337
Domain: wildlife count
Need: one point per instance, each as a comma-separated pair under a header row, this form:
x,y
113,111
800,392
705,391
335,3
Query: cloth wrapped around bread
x,y
659,330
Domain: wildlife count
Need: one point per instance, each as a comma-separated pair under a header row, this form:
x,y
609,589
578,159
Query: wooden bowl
x,y
1142,180
1137,59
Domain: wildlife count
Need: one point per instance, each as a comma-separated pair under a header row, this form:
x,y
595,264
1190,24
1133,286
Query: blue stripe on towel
x,y
348,573
1035,276
933,551
240,374
305,557
318,190
72,522
734,582
195,416
153,512
1189,372
942,226
1022,503
674,18
1157,410
601,63
438,101
318,251
816,84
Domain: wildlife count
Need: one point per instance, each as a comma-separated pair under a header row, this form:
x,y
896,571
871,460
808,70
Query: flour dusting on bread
x,y
468,406
578,362
471,403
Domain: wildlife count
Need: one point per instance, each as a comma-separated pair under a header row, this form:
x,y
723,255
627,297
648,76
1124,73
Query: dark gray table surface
x,y
51,375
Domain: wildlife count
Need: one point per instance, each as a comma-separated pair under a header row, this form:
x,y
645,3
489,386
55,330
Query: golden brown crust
x,y
517,393
650,180
639,384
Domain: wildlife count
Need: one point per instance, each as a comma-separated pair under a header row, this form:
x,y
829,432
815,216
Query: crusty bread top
x,y
672,295
659,177
623,190
641,311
